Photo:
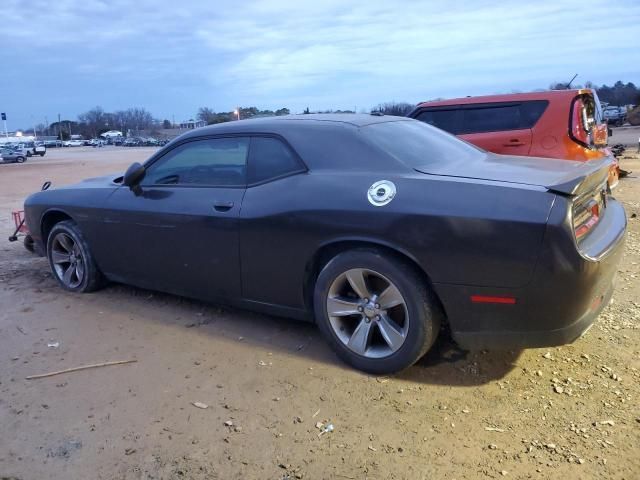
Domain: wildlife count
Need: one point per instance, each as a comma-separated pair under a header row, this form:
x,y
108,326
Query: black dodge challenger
x,y
380,229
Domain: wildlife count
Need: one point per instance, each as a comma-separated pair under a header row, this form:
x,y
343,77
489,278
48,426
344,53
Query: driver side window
x,y
211,162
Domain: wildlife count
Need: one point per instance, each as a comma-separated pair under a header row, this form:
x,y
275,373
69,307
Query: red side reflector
x,y
487,299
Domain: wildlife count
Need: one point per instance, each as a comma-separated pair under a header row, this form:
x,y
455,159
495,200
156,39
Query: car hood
x,y
562,176
113,180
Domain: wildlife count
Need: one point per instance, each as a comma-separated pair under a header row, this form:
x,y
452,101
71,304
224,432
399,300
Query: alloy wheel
x,y
68,260
368,313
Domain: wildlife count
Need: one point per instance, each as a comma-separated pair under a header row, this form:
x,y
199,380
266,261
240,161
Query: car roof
x,y
509,97
280,123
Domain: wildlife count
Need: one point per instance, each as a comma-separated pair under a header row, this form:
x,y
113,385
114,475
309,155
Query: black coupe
x,y
382,230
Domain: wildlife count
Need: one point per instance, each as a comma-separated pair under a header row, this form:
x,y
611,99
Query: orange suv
x,y
565,124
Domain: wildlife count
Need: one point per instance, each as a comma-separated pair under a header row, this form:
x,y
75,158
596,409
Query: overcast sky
x,y
67,56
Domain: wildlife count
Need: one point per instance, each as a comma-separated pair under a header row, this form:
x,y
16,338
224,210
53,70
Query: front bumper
x,y
569,289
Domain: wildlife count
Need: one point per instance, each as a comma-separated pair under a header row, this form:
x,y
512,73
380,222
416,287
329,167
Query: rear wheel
x,y
20,159
70,259
375,310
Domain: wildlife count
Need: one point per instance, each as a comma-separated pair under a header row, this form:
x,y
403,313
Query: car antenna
x,y
571,81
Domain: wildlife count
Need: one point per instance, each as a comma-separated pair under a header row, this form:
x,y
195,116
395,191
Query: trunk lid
x,y
560,176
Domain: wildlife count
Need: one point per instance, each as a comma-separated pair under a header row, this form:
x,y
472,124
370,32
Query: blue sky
x,y
67,56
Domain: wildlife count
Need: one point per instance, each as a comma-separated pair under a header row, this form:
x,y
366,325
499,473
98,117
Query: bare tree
x,y
400,109
206,114
94,120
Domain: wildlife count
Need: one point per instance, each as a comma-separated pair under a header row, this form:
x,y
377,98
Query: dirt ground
x,y
569,412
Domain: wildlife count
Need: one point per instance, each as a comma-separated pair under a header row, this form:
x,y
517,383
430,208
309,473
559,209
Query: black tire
x,y
42,154
20,159
424,313
29,244
92,278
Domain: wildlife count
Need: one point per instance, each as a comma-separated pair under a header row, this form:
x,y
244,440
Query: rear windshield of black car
x,y
418,145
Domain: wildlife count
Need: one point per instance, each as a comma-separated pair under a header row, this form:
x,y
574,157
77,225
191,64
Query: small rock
x,y
550,446
493,446
547,355
319,425
539,373
130,451
228,423
580,461
504,472
238,429
297,419
558,389
611,423
200,405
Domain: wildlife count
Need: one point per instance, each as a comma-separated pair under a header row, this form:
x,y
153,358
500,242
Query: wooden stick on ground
x,y
75,369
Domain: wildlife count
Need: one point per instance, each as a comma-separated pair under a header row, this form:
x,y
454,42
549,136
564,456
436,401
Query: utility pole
x,y
59,128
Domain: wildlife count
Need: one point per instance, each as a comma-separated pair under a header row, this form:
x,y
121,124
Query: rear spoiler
x,y
594,173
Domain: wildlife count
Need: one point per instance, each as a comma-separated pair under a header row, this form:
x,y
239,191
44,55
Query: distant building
x,y
191,124
14,138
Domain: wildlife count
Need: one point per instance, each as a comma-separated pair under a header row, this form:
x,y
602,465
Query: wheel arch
x,y
49,219
330,249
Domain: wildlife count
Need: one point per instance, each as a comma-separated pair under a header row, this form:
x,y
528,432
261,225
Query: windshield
x,y
417,144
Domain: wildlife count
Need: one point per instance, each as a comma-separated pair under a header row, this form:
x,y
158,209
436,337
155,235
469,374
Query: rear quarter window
x,y
270,158
418,145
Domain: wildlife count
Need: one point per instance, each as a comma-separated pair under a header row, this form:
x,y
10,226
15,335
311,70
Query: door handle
x,y
222,206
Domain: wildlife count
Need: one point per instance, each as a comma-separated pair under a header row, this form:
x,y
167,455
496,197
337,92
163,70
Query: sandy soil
x,y
569,412
625,135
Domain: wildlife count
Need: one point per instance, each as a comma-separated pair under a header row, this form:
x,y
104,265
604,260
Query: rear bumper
x,y
569,289
533,339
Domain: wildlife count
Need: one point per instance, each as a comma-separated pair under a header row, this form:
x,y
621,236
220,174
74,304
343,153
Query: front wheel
x,y
20,159
71,260
375,310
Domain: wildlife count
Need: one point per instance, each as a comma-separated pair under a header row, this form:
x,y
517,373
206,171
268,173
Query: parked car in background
x,y
132,142
614,115
19,148
11,155
33,148
379,229
52,143
564,124
73,143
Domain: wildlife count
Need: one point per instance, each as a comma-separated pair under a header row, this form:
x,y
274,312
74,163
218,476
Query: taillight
x,y
580,126
587,213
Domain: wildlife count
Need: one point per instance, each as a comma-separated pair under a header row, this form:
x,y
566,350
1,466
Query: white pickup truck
x,y
33,148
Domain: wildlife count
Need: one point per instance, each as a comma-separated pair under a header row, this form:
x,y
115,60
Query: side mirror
x,y
133,176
